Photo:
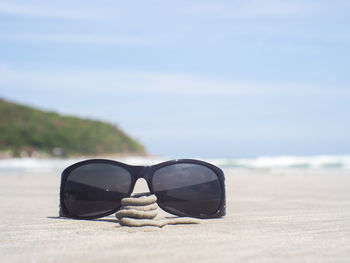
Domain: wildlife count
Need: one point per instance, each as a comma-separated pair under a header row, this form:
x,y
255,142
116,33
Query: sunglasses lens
x,y
95,189
188,189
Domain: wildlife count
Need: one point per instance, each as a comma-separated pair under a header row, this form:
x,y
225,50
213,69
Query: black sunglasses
x,y
94,188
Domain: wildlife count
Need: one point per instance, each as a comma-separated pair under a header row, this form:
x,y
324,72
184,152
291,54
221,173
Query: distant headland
x,y
26,131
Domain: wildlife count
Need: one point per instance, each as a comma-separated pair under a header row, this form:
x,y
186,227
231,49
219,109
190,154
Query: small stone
x,y
143,200
150,207
136,214
141,222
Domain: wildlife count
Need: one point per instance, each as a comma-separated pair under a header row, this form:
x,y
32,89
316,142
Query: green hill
x,y
28,130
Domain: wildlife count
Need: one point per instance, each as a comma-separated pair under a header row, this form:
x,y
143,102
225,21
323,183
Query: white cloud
x,y
167,22
274,8
47,9
90,10
80,39
255,9
90,81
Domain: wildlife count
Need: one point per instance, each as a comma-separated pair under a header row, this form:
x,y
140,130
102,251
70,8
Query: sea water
x,y
263,162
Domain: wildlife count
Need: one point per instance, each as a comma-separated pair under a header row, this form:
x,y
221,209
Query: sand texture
x,y
272,216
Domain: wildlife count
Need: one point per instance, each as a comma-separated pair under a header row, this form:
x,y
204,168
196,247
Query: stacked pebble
x,y
142,211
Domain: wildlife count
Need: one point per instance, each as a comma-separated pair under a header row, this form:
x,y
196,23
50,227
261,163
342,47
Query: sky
x,y
239,78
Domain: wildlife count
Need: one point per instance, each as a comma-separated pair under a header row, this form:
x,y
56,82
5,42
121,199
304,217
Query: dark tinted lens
x,y
95,189
189,189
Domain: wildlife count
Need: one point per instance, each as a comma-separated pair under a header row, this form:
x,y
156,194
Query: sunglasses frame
x,y
147,173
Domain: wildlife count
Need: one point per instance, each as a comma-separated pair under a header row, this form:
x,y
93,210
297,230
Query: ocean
x,y
264,162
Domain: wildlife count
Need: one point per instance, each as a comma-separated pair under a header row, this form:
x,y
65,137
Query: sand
x,y
272,216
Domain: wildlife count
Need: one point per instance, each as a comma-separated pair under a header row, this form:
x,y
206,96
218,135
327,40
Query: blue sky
x,y
188,78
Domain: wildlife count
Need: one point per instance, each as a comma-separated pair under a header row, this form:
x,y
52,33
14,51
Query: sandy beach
x,y
272,216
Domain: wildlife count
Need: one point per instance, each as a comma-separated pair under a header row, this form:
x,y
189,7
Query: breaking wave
x,y
264,162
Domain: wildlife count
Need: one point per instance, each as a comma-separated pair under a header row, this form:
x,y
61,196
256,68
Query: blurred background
x,y
205,79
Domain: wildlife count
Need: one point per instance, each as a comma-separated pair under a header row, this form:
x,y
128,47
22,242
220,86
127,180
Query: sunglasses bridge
x,y
142,172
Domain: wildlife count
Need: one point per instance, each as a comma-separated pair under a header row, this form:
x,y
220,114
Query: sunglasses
x,y
94,188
